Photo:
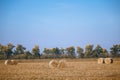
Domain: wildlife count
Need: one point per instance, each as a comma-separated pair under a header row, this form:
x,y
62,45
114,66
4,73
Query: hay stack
x,y
10,62
108,60
100,60
53,64
7,62
62,64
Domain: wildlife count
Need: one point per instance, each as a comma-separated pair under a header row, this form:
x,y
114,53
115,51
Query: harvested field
x,y
77,69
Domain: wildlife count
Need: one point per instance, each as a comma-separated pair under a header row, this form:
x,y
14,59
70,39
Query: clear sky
x,y
60,23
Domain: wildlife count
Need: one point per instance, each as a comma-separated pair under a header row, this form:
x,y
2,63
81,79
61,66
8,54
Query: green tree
x,y
115,50
54,52
62,51
36,51
57,52
88,51
6,50
19,49
80,52
46,51
97,51
9,51
71,51
28,55
104,52
2,51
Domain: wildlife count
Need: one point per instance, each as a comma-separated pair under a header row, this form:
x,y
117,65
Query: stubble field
x,y
77,69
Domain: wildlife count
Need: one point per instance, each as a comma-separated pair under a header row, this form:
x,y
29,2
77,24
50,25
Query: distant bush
x,y
20,56
64,56
46,56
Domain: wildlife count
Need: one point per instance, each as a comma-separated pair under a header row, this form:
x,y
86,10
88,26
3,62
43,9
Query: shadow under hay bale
x,y
13,62
108,60
100,60
53,64
62,64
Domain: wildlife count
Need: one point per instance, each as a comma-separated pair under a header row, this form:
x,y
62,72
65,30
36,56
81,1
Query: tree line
x,y
11,51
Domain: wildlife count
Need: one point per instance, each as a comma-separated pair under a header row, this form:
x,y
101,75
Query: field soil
x,y
77,69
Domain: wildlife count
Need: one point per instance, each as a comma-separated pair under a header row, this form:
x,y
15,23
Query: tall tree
x,y
71,51
9,48
27,54
36,51
80,52
19,49
115,50
56,51
88,51
46,51
104,53
1,47
6,50
3,50
62,51
97,51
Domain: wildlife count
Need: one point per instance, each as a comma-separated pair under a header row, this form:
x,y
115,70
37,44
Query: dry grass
x,y
77,70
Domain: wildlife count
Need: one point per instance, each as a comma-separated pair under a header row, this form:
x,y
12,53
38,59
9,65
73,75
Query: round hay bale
x,y
62,64
108,60
53,64
100,60
13,62
7,62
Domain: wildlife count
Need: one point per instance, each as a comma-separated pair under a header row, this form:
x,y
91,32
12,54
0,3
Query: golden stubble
x,y
75,70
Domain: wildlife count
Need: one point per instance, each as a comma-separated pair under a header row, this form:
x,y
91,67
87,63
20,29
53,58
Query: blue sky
x,y
60,23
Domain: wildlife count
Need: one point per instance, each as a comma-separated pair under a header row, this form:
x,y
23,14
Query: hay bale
x,y
100,60
13,62
108,60
10,62
53,64
62,64
7,62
